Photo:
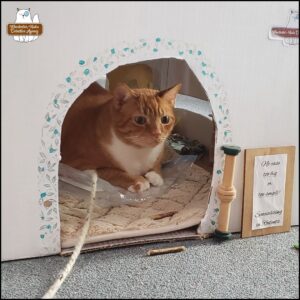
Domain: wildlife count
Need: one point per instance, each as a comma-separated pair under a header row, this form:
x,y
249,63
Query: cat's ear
x,y
121,93
170,93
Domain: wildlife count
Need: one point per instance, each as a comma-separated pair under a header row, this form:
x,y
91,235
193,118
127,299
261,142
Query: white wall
x,y
259,75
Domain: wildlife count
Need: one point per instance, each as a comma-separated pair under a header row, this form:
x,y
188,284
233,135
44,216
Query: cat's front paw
x,y
154,178
139,186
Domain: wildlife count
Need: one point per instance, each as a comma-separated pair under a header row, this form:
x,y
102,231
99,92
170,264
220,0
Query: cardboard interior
x,y
194,116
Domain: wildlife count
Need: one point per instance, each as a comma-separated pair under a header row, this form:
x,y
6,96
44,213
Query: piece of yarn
x,y
68,268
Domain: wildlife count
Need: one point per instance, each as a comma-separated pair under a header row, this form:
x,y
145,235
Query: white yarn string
x,y
67,270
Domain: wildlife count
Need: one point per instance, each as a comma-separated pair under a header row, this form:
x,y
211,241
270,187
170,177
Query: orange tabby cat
x,y
121,135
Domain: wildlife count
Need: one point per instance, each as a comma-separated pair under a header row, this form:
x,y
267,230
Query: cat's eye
x,y
165,119
140,120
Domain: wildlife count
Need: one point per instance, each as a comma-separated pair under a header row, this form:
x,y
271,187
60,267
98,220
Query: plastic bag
x,y
79,183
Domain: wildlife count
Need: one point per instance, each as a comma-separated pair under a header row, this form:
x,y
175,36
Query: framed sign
x,y
268,186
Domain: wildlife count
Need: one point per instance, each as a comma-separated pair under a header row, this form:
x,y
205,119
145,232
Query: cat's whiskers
x,y
146,139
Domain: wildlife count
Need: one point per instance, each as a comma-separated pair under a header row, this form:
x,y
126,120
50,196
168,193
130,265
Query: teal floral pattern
x,y
90,70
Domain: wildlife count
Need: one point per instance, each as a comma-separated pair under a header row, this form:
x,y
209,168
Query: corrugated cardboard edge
x,y
184,234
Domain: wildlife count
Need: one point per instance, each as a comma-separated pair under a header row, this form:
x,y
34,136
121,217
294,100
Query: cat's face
x,y
144,117
23,15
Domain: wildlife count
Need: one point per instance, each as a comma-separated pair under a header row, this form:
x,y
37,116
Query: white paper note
x,y
268,191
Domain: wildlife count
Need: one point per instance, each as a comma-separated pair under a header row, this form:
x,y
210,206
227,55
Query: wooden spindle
x,y
226,191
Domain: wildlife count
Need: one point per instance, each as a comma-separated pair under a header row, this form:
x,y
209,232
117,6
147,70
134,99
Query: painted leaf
x,y
41,169
47,203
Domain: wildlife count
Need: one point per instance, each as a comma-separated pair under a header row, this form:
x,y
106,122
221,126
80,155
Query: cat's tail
x,y
35,20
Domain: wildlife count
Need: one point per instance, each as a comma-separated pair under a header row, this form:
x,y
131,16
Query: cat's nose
x,y
156,133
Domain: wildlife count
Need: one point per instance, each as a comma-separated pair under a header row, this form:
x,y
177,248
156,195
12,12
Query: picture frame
x,y
268,187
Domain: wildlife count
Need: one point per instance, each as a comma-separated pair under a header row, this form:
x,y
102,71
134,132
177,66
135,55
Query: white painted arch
x,y
90,70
